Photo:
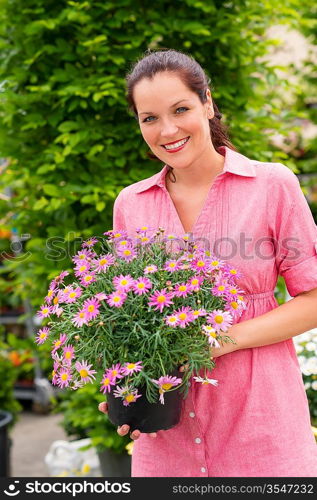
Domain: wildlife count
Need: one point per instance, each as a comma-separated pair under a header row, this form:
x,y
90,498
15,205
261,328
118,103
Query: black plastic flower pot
x,y
145,416
5,420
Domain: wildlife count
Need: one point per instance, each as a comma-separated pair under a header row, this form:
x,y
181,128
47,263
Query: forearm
x,y
292,318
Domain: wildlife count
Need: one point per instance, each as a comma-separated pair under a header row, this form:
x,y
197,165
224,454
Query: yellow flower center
x,y
81,314
131,366
45,310
123,282
50,293
64,376
106,381
212,334
127,252
145,238
218,318
114,373
195,313
102,262
129,398
43,335
87,278
123,243
140,285
161,299
195,282
82,256
215,262
83,373
221,288
167,386
233,291
117,235
182,316
68,354
173,319
200,263
144,228
233,271
55,300
116,299
182,288
58,343
82,268
172,264
234,305
72,295
91,308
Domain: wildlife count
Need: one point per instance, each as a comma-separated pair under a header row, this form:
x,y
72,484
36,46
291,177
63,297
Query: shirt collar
x,y
235,163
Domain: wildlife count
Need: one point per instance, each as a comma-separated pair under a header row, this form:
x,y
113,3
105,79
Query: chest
x,y
189,206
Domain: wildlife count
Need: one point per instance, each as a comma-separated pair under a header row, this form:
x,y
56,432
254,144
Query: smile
x,y
175,146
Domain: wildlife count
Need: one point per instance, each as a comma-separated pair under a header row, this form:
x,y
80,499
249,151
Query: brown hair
x,y
192,75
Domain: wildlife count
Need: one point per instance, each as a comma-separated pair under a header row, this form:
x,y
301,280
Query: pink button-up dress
x,y
256,422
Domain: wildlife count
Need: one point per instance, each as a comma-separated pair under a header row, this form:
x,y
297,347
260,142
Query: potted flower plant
x,y
131,313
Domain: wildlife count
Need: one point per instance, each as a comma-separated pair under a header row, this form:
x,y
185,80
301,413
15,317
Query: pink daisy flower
x,y
220,290
83,255
91,308
184,316
88,278
182,290
85,372
44,311
116,299
55,375
171,320
200,264
127,394
106,383
195,282
80,318
141,285
58,343
42,335
127,254
123,283
232,273
50,295
211,334
160,299
101,296
232,292
220,320
150,269
68,353
115,372
206,381
64,377
166,383
116,235
197,313
90,243
172,266
73,295
129,368
59,279
103,262
82,268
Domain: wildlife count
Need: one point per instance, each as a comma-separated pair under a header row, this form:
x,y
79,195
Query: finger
x,y
103,407
153,434
183,368
135,434
123,430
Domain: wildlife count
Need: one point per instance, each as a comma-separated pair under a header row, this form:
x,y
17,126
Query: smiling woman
x,y
255,216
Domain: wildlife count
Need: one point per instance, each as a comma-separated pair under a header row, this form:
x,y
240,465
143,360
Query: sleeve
x,y
119,222
294,231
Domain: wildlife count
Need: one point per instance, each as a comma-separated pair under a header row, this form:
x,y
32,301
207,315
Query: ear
x,y
209,105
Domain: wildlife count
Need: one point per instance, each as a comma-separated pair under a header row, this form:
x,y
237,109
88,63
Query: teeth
x,y
176,145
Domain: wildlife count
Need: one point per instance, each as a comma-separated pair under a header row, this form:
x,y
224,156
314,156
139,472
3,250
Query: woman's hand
x,y
124,429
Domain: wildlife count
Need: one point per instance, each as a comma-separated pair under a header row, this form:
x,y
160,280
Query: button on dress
x,y
256,422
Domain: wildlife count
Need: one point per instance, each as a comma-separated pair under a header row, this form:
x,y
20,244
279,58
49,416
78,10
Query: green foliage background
x,y
64,123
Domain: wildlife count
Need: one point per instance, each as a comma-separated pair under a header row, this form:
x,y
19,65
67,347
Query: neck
x,y
201,173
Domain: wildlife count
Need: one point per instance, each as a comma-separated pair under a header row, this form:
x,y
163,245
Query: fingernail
x,y
124,428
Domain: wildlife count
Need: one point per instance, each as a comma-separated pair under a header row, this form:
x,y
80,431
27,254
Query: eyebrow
x,y
172,106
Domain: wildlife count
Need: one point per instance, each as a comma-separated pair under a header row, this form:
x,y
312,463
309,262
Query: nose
x,y
169,129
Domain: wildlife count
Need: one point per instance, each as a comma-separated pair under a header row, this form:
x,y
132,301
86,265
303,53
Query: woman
x,y
254,215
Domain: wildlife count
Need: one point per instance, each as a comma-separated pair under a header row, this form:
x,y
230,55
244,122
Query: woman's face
x,y
173,120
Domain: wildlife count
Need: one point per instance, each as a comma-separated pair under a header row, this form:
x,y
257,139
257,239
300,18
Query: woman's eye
x,y
148,119
181,109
